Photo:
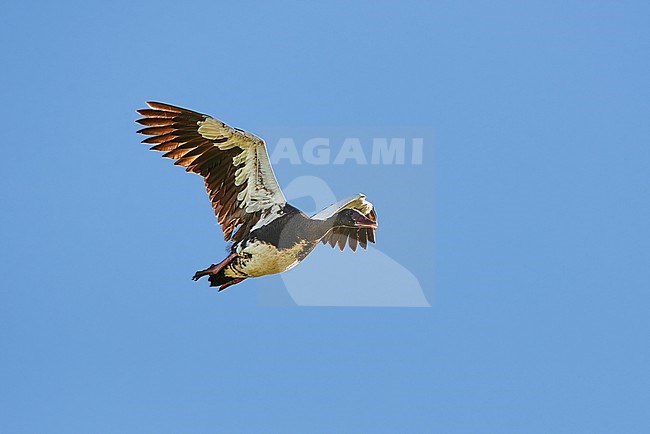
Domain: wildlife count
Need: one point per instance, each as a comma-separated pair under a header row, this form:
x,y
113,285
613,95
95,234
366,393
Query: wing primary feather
x,y
165,107
156,131
341,240
165,147
176,154
363,238
156,113
198,150
159,139
352,241
371,235
154,122
185,161
192,142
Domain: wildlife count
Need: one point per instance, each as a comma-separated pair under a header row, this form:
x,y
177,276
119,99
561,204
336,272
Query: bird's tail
x,y
219,279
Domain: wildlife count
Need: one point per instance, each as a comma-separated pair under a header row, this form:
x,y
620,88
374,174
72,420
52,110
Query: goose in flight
x,y
268,234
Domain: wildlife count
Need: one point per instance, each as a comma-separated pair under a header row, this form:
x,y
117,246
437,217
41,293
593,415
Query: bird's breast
x,y
257,258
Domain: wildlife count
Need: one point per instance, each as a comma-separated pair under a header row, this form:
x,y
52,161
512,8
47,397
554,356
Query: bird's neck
x,y
317,229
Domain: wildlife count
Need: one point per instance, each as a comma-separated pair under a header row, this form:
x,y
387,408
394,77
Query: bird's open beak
x,y
364,222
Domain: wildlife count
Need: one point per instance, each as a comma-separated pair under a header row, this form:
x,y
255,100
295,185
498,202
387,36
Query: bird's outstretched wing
x,y
234,164
341,236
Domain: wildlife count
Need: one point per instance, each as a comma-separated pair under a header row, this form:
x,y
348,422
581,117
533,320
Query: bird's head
x,y
351,218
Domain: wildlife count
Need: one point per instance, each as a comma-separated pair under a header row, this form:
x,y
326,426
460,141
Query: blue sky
x,y
527,226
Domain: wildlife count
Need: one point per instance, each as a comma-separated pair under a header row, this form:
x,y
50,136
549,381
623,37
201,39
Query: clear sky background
x,y
535,258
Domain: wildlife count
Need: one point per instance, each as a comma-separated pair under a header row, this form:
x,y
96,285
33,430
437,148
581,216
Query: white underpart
x,y
357,202
262,192
265,259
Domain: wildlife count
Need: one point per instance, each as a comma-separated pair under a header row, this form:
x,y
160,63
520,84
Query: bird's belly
x,y
259,259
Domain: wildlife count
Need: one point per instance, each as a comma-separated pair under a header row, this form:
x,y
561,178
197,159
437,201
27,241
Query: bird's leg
x,y
230,283
214,268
